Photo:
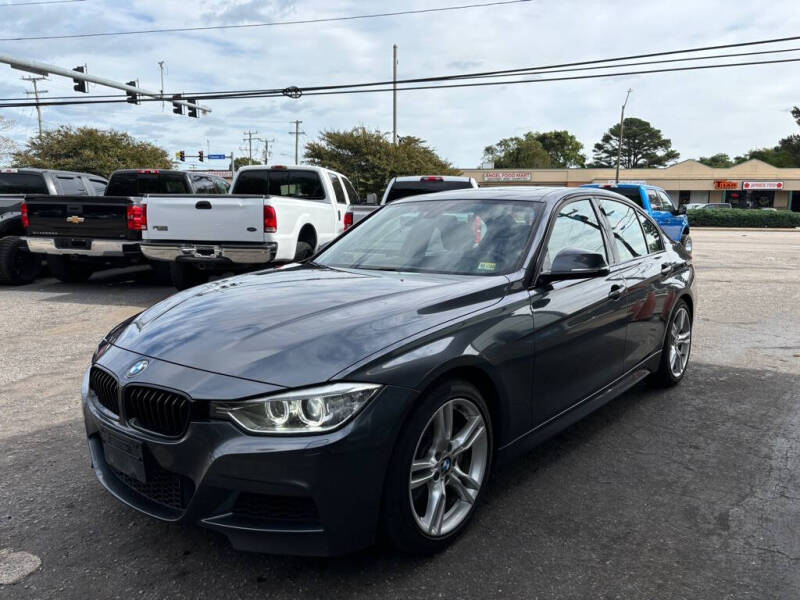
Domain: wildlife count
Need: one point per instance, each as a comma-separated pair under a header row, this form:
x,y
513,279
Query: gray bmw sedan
x,y
372,389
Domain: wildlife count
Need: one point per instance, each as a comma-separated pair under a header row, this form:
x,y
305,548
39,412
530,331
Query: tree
x,y
370,160
719,160
243,161
643,146
7,145
796,114
90,150
536,150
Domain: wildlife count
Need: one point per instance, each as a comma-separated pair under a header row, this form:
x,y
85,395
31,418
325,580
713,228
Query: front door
x,y
579,325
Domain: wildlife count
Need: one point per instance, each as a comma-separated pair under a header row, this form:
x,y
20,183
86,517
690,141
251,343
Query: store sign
x,y
725,184
507,176
626,182
762,185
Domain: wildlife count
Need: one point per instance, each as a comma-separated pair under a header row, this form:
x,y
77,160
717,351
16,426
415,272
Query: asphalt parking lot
x,y
692,492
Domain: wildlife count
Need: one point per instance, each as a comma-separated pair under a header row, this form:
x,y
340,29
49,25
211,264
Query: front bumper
x,y
308,495
212,253
97,248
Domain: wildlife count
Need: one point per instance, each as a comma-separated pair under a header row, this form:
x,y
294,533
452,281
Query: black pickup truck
x,y
17,265
80,234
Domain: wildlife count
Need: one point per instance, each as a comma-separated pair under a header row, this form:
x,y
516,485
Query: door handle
x,y
203,204
616,291
666,268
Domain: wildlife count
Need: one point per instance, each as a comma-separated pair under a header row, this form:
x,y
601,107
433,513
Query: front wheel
x,y
184,275
686,242
677,347
438,469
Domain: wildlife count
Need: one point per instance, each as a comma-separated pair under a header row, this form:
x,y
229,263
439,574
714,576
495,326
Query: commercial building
x,y
751,184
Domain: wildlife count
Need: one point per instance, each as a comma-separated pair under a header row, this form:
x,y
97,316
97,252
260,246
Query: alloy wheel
x,y
448,467
680,342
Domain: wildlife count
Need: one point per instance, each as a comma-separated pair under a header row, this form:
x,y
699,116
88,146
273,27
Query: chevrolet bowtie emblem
x,y
75,219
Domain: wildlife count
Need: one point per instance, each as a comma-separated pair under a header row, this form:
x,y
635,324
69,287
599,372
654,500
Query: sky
x,y
702,112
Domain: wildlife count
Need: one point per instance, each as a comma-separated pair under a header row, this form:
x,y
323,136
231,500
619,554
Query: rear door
x,y
205,218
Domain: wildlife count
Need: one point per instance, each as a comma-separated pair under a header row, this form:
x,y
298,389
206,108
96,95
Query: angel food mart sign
x,y
507,176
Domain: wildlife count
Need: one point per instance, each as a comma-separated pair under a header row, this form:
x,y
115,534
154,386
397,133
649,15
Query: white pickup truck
x,y
273,215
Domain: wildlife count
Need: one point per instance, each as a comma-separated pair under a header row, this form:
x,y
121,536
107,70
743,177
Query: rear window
x,y
22,183
629,193
403,189
279,182
139,184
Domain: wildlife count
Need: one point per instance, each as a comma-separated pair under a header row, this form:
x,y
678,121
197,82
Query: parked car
x,y
696,205
17,264
412,185
658,205
303,409
80,235
274,215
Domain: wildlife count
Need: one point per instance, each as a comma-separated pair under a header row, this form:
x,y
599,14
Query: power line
x,y
268,24
336,90
41,2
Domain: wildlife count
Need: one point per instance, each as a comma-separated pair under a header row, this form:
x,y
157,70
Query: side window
x,y
337,188
651,235
655,202
628,237
666,202
352,194
71,186
99,186
221,186
575,227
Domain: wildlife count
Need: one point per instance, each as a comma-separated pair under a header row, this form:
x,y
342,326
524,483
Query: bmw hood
x,y
301,325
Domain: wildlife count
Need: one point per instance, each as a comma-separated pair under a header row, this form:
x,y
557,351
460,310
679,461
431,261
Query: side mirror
x,y
372,198
571,263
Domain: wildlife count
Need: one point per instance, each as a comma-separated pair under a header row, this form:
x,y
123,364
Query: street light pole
x,y
394,95
621,131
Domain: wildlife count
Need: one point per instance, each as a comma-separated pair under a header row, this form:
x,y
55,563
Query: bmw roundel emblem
x,y
137,367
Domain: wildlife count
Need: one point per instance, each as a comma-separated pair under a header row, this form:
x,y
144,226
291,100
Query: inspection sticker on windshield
x,y
487,266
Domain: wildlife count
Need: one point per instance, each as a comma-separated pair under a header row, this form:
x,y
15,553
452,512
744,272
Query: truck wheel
x,y
161,272
185,276
303,251
18,265
67,270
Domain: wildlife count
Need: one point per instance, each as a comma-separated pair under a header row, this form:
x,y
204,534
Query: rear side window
x,y
629,193
651,235
403,189
221,185
99,186
576,227
71,186
139,184
352,194
22,183
278,182
628,237
337,189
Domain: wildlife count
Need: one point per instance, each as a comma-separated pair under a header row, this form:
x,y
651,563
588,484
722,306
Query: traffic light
x,y
80,84
133,97
177,108
193,110
200,155
182,156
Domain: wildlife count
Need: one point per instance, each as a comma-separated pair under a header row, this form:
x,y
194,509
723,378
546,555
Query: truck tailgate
x,y
79,216
205,218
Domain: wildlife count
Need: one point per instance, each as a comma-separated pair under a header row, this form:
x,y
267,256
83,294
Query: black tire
x,y
185,276
161,272
303,251
398,523
665,376
18,265
67,270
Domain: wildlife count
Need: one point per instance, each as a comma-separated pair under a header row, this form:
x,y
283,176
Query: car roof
x,y
646,186
170,171
53,171
404,178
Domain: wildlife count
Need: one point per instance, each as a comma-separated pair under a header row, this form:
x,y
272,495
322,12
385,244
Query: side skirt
x,y
577,411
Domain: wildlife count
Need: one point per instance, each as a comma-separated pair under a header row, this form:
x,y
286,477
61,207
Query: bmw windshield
x,y
461,237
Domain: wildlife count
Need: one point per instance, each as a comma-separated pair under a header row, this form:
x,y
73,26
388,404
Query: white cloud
x,y
703,112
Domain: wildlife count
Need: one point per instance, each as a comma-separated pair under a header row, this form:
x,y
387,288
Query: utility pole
x,y
266,143
161,66
36,91
297,133
249,140
621,132
394,95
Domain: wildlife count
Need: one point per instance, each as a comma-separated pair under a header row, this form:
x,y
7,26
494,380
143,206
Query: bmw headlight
x,y
309,410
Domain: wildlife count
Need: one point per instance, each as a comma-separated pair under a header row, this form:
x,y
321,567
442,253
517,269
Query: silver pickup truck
x,y
412,185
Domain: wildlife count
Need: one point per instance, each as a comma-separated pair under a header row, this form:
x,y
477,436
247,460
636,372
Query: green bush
x,y
742,217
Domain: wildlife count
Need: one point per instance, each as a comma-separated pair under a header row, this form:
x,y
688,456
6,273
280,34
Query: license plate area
x,y
73,243
124,454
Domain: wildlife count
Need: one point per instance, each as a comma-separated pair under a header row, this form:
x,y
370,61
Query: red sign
x,y
762,185
725,184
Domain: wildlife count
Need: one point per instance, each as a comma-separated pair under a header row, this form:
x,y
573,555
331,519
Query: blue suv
x,y
658,205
